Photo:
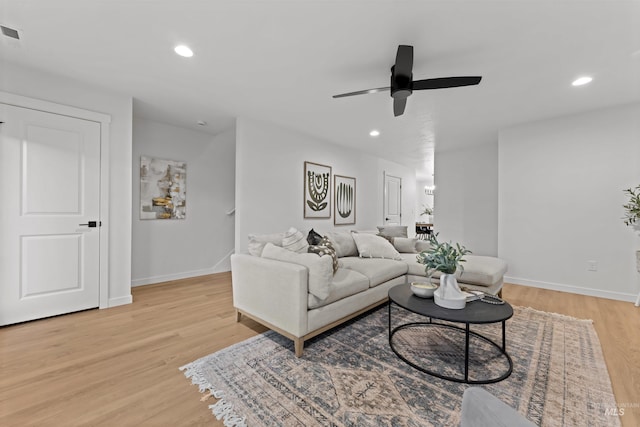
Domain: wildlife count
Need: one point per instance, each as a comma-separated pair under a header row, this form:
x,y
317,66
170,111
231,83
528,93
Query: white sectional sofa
x,y
299,296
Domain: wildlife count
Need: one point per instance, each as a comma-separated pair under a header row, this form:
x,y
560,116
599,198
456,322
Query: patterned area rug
x,y
350,377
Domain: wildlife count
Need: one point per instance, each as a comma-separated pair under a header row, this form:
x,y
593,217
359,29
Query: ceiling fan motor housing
x,y
401,86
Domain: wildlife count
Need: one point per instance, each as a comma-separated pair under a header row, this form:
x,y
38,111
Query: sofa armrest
x,y
273,291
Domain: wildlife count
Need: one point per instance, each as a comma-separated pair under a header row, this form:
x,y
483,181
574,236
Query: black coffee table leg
x,y
466,353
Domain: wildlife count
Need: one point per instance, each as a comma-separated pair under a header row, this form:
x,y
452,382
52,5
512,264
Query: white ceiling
x,y
281,61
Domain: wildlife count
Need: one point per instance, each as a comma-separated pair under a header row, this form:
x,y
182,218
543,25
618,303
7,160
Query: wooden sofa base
x,y
298,342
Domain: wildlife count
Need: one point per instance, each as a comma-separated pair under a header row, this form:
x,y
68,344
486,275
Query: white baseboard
x,y
619,296
114,302
175,276
220,267
225,263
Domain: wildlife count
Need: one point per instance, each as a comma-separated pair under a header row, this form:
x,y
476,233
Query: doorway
x,y
52,245
392,212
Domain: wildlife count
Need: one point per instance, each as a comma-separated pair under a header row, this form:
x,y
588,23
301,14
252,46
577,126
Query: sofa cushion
x,y
482,270
258,241
405,245
372,246
320,267
377,270
414,267
343,243
422,245
294,240
345,283
392,230
478,270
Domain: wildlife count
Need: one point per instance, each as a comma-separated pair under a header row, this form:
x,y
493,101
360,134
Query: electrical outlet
x,y
592,265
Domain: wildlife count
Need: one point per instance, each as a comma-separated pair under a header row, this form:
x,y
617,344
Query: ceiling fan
x,y
403,85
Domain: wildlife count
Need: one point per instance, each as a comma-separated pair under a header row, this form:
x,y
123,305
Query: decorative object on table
x,y
423,289
317,188
345,200
163,188
350,375
447,259
426,210
632,219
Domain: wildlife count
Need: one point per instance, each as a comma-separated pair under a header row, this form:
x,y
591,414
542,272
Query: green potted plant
x,y
632,208
632,219
446,258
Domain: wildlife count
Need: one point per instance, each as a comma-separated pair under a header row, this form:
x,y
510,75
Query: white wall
x,y
269,181
560,202
466,198
65,91
201,243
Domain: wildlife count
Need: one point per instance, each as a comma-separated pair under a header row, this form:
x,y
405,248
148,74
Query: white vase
x,y
449,295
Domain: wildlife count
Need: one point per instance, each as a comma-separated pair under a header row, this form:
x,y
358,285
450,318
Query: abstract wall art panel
x,y
163,189
317,190
345,200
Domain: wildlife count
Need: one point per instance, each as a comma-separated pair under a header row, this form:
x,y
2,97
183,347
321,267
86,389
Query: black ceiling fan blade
x,y
404,61
398,106
362,92
445,82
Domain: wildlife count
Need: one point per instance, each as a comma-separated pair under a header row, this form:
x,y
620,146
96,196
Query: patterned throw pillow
x,y
324,247
294,241
313,238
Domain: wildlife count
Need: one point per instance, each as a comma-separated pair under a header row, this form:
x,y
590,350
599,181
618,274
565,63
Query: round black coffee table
x,y
475,312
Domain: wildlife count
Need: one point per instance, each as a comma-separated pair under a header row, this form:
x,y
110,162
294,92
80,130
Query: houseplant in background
x,y
426,210
446,258
632,219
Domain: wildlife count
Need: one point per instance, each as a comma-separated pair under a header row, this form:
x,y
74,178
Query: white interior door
x,y
50,186
392,200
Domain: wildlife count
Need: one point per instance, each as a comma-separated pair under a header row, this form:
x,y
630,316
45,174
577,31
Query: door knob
x,y
92,224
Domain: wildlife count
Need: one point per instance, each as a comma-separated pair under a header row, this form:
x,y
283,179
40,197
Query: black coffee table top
x,y
475,312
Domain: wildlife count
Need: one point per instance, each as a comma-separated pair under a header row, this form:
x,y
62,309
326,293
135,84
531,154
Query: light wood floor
x,y
119,367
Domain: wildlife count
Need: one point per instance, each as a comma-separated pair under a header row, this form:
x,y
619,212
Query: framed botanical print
x,y
345,200
317,190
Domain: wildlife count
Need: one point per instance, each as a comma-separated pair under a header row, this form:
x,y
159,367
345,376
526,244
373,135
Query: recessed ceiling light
x,y
183,50
581,81
374,133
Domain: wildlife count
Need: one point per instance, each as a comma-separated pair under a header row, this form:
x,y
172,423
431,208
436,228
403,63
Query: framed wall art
x,y
317,190
345,200
163,189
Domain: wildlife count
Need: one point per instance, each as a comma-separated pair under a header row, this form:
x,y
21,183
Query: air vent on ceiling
x,y
10,32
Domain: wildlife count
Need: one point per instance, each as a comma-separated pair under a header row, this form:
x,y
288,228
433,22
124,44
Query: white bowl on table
x,y
423,289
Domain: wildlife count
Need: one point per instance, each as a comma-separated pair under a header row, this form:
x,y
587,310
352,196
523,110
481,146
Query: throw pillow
x,y
372,246
423,245
313,238
294,241
392,230
324,247
343,244
320,268
405,245
258,241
